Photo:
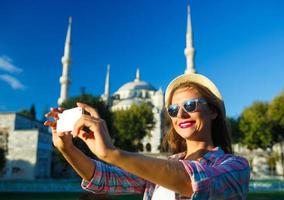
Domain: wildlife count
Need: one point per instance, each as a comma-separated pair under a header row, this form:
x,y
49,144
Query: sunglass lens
x,y
189,106
173,110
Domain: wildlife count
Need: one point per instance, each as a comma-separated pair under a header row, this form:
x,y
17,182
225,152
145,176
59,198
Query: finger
x,y
83,122
89,135
50,123
58,109
60,134
85,135
54,112
93,112
79,134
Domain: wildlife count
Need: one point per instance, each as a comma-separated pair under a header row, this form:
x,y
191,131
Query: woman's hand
x,y
62,141
97,137
83,165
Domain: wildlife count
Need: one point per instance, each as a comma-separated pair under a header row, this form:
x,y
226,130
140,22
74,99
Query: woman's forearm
x,y
82,164
168,173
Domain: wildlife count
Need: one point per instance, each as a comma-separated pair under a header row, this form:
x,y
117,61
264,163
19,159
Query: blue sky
x,y
239,45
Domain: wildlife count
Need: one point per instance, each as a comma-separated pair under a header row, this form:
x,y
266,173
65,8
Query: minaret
x,y
189,50
106,96
137,79
66,61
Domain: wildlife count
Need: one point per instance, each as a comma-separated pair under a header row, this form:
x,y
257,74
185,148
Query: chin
x,y
186,134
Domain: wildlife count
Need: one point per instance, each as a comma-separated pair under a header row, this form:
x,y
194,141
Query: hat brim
x,y
193,78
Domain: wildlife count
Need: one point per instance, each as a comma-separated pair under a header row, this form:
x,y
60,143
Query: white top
x,y
163,193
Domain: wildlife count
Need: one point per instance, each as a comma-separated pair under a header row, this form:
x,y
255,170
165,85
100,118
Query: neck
x,y
196,149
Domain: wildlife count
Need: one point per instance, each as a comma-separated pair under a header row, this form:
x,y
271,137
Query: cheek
x,y
174,124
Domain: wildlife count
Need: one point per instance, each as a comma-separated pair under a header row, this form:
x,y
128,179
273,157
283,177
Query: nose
x,y
182,113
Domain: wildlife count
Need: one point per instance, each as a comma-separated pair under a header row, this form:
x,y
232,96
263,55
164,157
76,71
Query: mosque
x,y
133,92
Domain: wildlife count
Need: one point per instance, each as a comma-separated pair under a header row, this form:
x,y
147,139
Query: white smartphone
x,y
68,118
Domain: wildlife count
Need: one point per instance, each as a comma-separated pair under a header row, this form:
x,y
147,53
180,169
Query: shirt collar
x,y
212,155
215,153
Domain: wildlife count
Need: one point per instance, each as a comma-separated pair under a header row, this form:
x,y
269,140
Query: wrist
x,y
113,156
67,149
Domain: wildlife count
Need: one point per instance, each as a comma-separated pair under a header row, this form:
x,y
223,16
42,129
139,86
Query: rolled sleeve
x,y
114,180
94,185
227,178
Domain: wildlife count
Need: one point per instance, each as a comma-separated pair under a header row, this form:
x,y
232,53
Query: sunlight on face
x,y
194,125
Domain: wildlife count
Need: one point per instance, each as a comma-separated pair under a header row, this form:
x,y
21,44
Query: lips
x,y
186,124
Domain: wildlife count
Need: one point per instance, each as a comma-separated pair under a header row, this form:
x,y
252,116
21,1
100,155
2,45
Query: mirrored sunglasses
x,y
189,106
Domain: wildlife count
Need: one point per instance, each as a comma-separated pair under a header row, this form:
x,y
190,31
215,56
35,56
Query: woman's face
x,y
192,125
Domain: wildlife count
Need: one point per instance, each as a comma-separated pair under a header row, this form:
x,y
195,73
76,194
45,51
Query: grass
x,y
87,196
266,195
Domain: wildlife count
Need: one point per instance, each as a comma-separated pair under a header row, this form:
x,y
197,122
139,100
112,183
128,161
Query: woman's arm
x,y
97,176
168,173
82,164
111,179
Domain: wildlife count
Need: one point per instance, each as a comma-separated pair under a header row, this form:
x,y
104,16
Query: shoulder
x,y
178,156
232,160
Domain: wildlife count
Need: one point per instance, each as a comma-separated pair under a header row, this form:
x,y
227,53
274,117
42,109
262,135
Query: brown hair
x,y
219,129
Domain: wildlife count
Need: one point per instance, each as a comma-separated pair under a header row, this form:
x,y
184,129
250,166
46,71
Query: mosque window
x,y
148,147
147,95
17,171
116,97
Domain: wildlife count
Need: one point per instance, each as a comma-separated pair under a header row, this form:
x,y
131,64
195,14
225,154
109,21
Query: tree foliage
x,y
29,113
255,125
132,125
276,116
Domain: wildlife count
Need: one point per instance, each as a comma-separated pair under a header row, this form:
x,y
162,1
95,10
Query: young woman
x,y
202,167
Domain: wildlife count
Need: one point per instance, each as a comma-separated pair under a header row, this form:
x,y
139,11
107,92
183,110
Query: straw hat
x,y
193,78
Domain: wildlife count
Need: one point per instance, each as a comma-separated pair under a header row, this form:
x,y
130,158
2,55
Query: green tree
x,y
255,125
276,116
29,113
2,160
132,125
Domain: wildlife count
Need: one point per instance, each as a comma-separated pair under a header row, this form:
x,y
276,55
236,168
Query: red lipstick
x,y
186,124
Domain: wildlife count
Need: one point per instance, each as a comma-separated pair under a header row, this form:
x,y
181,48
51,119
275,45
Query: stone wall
x,y
260,161
29,147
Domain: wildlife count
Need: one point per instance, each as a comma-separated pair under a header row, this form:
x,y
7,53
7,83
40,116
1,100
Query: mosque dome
x,y
136,85
134,89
